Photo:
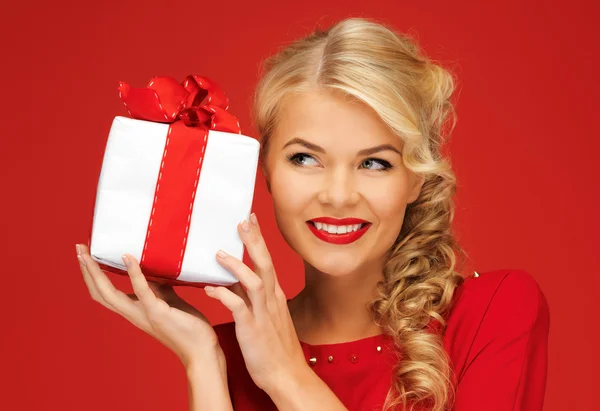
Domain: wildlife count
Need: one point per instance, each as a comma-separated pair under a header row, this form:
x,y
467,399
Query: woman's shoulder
x,y
512,291
495,309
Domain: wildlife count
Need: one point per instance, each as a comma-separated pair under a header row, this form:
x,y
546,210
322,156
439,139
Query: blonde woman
x,y
352,121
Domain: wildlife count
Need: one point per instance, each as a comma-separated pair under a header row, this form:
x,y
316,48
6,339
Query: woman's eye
x,y
376,164
306,160
302,159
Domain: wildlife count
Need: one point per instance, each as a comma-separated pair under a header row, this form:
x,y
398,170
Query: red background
x,y
525,151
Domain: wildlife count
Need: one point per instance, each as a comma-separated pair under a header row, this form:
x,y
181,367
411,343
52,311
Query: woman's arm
x,y
304,391
207,383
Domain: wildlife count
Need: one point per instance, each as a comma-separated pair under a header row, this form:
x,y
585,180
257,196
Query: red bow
x,y
197,101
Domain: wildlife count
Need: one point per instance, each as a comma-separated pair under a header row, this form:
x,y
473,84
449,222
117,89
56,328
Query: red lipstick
x,y
345,238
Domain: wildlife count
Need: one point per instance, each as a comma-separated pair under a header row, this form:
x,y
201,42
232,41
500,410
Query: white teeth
x,y
337,229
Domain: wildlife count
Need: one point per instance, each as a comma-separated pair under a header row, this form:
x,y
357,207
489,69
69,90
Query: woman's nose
x,y
339,190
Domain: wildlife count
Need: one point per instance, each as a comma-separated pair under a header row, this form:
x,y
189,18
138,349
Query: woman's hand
x,y
154,308
263,324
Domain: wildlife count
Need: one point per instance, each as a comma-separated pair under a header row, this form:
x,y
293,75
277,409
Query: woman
x,y
352,122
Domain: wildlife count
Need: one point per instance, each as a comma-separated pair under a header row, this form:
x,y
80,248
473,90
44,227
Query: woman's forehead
x,y
330,120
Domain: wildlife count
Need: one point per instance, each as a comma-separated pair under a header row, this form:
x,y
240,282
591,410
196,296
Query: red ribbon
x,y
192,108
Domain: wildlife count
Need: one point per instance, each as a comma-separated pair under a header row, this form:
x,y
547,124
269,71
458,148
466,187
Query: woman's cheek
x,y
388,203
385,197
293,203
291,193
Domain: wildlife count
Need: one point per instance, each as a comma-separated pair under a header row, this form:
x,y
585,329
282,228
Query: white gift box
x,y
126,191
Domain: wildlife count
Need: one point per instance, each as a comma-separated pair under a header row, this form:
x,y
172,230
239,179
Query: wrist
x,y
290,383
207,383
212,358
303,390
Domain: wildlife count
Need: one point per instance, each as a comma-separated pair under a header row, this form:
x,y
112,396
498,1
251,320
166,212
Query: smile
x,y
338,231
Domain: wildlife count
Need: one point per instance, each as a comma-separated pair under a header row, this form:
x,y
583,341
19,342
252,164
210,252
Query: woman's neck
x,y
333,309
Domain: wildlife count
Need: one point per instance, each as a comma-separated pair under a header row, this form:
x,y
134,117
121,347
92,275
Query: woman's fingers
x,y
162,291
238,290
278,294
235,304
93,290
133,297
263,265
110,297
253,283
142,290
259,253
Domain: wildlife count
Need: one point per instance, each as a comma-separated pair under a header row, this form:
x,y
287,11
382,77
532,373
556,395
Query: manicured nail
x,y
81,260
209,288
125,260
78,249
245,226
253,219
221,253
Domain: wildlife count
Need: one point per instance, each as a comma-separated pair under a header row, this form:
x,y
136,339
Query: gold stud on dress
x,y
312,361
379,348
475,274
330,358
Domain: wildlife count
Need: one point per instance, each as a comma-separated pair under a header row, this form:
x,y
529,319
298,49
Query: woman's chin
x,y
336,267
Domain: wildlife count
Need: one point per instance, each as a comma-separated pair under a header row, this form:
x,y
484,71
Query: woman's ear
x,y
418,181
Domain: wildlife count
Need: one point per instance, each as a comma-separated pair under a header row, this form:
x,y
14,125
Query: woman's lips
x,y
345,238
339,221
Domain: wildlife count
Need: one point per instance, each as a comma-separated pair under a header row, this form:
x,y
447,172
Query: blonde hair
x,y
387,71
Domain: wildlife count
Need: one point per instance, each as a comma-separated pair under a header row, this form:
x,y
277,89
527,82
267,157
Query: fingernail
x,y
209,288
125,260
245,226
81,260
253,219
78,248
221,253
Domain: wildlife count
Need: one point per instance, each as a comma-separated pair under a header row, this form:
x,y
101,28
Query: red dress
x,y
497,340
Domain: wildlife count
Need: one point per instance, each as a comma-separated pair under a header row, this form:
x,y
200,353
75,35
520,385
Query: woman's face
x,y
332,159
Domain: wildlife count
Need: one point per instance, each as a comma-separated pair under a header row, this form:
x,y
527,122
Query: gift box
x,y
176,180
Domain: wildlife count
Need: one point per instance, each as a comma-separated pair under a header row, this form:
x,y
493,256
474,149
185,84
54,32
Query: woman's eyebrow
x,y
365,152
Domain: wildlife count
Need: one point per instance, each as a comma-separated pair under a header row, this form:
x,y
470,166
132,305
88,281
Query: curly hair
x,y
387,71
